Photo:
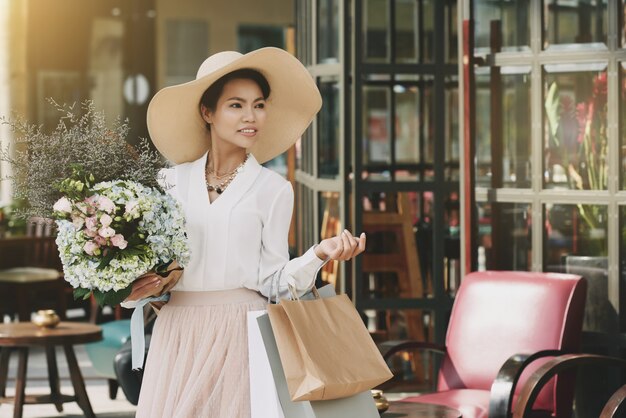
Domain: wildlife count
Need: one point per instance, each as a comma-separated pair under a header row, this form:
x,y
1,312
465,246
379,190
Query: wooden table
x,y
419,410
22,335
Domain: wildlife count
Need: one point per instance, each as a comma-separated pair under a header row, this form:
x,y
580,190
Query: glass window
x,y
575,130
328,130
514,23
451,34
428,131
407,29
452,244
452,129
483,127
428,32
376,129
574,22
571,229
330,226
327,31
304,152
509,125
376,24
622,122
515,128
398,259
508,223
407,124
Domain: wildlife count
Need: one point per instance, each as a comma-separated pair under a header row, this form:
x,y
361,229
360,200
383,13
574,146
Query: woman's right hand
x,y
151,284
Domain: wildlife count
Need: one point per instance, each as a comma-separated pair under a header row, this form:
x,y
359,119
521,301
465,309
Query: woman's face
x,y
239,113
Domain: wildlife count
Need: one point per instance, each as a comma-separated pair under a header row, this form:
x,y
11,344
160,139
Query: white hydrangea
x,y
160,222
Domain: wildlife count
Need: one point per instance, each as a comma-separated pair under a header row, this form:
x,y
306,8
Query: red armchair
x,y
503,326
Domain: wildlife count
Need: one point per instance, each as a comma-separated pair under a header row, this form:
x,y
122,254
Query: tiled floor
x,y
37,383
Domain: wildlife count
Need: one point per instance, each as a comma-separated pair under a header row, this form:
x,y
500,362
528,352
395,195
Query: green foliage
x,y
111,297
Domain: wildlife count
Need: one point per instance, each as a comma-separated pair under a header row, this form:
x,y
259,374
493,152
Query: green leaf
x,y
81,293
112,297
106,260
553,108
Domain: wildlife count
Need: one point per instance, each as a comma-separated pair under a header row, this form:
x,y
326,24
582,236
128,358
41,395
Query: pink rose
x,y
106,232
118,241
91,203
91,223
63,205
91,233
99,240
106,204
92,200
105,220
90,247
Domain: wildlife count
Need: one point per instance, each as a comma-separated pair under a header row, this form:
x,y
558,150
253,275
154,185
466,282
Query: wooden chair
x,y
31,276
615,407
567,362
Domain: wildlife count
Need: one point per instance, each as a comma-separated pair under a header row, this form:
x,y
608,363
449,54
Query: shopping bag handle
x,y
294,292
275,282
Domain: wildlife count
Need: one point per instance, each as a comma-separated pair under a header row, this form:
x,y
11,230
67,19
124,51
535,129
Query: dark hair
x,y
212,94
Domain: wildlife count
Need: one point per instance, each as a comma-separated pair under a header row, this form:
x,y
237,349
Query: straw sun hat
x,y
178,131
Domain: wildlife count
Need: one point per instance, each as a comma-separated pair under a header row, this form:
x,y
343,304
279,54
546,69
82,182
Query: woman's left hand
x,y
342,247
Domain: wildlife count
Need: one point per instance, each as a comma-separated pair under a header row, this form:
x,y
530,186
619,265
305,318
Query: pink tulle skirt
x,y
197,365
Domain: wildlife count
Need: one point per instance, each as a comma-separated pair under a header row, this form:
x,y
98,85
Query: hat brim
x,y
179,133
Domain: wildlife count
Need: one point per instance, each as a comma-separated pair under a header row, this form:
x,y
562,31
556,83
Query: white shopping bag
x,y
264,401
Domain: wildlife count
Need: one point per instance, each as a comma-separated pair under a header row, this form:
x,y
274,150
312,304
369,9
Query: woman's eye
x,y
235,105
261,106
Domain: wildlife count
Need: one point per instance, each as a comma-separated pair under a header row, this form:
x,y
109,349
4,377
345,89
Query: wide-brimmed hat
x,y
178,131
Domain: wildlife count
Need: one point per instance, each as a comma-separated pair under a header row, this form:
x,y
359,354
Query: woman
x,y
240,111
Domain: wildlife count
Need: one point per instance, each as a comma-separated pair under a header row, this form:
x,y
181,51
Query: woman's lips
x,y
249,132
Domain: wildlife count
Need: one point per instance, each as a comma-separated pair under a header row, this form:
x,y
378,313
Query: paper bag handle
x,y
293,291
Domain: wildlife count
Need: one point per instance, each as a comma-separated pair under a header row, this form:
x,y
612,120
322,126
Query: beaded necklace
x,y
221,186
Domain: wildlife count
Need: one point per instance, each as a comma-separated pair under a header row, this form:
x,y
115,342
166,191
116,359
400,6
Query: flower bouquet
x,y
110,233
115,220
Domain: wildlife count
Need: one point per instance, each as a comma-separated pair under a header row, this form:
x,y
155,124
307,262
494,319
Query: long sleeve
x,y
274,262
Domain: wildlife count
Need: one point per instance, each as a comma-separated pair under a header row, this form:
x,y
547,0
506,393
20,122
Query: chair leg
x,y
113,386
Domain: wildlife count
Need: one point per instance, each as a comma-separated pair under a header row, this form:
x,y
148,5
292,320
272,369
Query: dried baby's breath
x,y
82,137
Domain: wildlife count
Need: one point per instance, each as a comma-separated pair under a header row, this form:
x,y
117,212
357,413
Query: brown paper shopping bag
x,y
325,349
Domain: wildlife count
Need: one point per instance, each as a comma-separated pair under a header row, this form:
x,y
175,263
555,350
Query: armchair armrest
x,y
612,407
543,374
503,387
389,348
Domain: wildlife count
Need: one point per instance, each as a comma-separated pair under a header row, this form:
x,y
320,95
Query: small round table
x,y
419,410
22,335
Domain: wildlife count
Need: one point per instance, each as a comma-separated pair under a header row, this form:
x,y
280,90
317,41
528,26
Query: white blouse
x,y
241,238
